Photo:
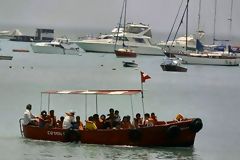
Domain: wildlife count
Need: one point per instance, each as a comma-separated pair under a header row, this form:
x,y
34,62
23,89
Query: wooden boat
x,y
123,52
6,57
172,133
129,64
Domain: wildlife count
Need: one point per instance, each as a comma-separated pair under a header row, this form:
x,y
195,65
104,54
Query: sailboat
x,y
172,64
125,51
202,56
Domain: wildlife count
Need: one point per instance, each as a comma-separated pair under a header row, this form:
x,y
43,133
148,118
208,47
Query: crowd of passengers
x,y
112,121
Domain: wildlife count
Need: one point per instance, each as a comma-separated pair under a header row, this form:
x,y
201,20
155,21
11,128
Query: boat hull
x,y
108,47
6,57
125,53
173,68
54,50
160,135
221,61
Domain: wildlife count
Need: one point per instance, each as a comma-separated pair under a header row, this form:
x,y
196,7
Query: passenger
x,y
179,117
148,121
69,120
111,118
138,121
97,121
154,118
105,124
90,125
43,120
126,124
79,124
117,117
52,119
60,122
29,118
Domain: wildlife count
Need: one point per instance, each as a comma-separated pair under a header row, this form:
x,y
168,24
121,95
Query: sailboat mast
x,y
230,21
199,14
124,25
119,25
214,25
187,25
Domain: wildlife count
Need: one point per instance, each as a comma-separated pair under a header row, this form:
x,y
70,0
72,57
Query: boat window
x,y
122,39
148,33
139,40
135,30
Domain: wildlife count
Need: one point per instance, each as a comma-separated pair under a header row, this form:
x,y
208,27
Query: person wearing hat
x,y
69,120
29,118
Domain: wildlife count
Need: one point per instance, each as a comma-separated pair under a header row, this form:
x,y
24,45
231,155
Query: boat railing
x,y
20,126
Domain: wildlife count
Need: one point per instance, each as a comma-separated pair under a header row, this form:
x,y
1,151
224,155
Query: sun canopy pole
x,y
48,101
85,106
142,100
96,104
41,103
132,106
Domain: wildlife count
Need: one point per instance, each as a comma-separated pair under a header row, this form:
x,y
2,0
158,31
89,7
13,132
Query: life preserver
x,y
196,125
173,131
72,136
134,135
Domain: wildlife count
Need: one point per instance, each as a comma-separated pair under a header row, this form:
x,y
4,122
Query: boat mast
x,y
187,24
119,25
214,25
199,14
124,21
230,22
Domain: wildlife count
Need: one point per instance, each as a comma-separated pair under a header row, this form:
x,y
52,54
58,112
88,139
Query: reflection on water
x,y
58,150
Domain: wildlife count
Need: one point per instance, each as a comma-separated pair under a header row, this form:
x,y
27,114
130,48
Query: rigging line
x,y
180,24
174,21
119,25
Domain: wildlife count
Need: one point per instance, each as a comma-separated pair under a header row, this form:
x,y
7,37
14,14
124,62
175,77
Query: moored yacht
x,y
136,36
57,46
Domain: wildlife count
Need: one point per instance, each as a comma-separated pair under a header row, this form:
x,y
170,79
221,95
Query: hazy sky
x,y
104,14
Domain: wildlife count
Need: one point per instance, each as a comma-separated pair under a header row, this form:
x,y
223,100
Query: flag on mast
x,y
144,77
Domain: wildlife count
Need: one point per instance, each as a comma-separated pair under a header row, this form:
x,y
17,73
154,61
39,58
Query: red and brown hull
x,y
171,134
125,54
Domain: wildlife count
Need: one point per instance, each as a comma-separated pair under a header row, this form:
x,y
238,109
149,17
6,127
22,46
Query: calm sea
x,y
211,93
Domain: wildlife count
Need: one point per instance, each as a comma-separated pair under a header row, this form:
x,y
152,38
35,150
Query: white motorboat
x,y
136,36
180,44
58,46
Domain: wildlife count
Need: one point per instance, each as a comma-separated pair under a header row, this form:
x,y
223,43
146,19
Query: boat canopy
x,y
94,92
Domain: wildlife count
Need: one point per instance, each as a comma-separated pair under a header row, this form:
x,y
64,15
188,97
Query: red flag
x,y
144,77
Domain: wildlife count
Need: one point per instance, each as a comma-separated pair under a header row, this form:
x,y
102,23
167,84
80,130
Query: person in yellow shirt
x,y
90,125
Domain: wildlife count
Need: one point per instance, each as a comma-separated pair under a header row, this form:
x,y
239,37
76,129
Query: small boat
x,y
129,64
6,57
124,52
20,50
171,133
58,46
172,65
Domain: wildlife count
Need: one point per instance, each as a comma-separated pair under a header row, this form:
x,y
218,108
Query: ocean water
x,y
208,92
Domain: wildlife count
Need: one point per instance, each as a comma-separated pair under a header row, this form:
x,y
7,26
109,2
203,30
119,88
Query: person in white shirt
x,y
29,118
69,120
